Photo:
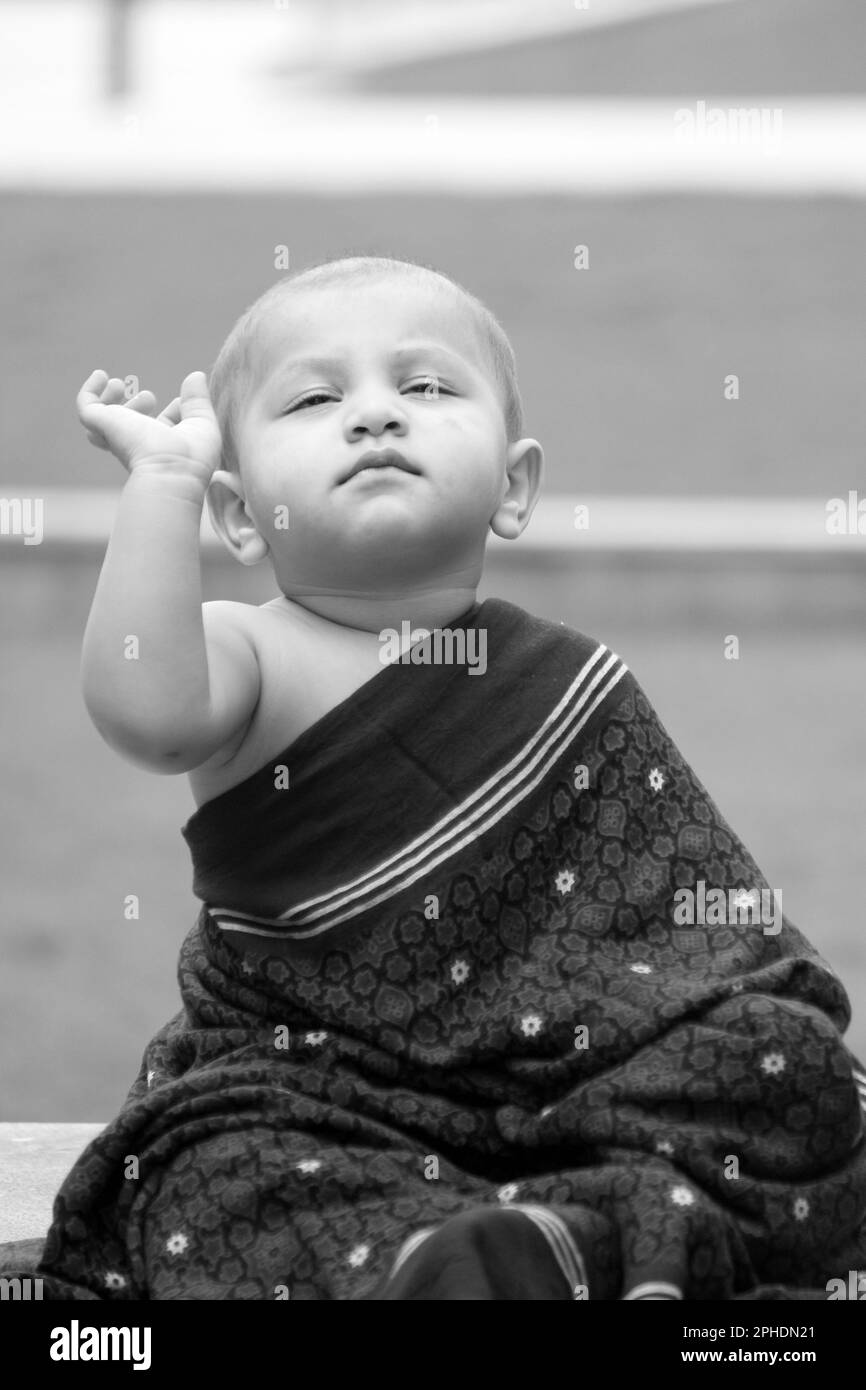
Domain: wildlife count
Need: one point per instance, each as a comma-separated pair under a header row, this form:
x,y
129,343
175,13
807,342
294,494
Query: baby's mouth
x,y
374,460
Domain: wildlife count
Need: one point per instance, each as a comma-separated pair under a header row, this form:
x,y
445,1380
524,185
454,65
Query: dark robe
x,y
451,1030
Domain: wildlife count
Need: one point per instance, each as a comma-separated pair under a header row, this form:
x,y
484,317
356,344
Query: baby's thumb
x,y
195,401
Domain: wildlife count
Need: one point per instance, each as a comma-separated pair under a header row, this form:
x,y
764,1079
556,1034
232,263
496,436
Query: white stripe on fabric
x,y
428,859
653,1289
409,1246
373,877
560,1240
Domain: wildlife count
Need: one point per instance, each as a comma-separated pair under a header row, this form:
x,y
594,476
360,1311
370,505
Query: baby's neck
x,y
375,612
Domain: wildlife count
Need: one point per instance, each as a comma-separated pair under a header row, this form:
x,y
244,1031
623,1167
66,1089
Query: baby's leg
x,y
525,1253
259,1213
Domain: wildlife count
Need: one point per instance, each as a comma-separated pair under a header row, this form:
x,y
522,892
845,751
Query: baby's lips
x,y
381,458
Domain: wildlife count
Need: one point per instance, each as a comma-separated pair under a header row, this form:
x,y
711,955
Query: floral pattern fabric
x,y
438,991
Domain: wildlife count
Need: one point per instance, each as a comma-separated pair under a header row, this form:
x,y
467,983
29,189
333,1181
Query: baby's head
x,y
354,357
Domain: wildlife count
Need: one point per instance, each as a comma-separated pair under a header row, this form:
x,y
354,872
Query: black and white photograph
x,y
433,553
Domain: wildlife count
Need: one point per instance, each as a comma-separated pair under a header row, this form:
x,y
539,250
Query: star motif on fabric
x,y
564,881
309,1165
530,1025
773,1063
315,1039
248,968
176,1244
508,1193
664,1146
460,972
801,1209
744,900
641,968
359,1256
113,1280
656,779
683,1196
736,987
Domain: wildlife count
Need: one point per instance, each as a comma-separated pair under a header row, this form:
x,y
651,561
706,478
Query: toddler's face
x,y
347,372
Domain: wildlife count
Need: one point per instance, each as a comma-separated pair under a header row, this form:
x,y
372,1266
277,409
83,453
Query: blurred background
x,y
663,203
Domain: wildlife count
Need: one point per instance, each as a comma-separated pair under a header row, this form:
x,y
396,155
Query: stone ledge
x,y
34,1160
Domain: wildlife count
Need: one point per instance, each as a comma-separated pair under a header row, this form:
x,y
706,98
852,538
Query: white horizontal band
x,y
629,523
653,1289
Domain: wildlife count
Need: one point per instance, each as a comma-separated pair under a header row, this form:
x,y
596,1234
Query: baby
x,y
371,426
449,1030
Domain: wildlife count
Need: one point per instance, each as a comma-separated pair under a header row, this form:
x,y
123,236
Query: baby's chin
x,y
380,535
385,578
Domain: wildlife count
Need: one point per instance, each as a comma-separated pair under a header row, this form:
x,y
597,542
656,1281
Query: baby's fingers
x,y
143,401
100,389
172,413
91,391
195,398
114,392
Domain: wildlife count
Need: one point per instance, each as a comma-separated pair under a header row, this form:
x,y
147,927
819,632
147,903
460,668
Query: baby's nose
x,y
376,417
376,410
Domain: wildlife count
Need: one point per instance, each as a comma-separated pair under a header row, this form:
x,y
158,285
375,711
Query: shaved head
x,y
242,357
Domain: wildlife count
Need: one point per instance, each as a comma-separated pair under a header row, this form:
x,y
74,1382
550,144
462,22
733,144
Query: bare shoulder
x,y
241,636
306,665
251,622
227,614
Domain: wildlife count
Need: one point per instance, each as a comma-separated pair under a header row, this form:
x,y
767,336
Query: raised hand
x,y
184,437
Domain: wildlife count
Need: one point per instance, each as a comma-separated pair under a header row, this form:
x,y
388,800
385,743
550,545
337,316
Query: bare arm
x,y
166,683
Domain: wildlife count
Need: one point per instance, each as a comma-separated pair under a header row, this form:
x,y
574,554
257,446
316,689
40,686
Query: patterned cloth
x,y
440,972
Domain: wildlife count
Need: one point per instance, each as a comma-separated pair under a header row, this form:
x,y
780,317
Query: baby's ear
x,y
524,468
223,490
229,476
228,515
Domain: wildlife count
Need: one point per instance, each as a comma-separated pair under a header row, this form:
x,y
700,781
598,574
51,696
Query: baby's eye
x,y
430,385
312,399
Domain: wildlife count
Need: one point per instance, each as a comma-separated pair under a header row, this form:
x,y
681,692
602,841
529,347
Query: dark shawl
x,y
443,1035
